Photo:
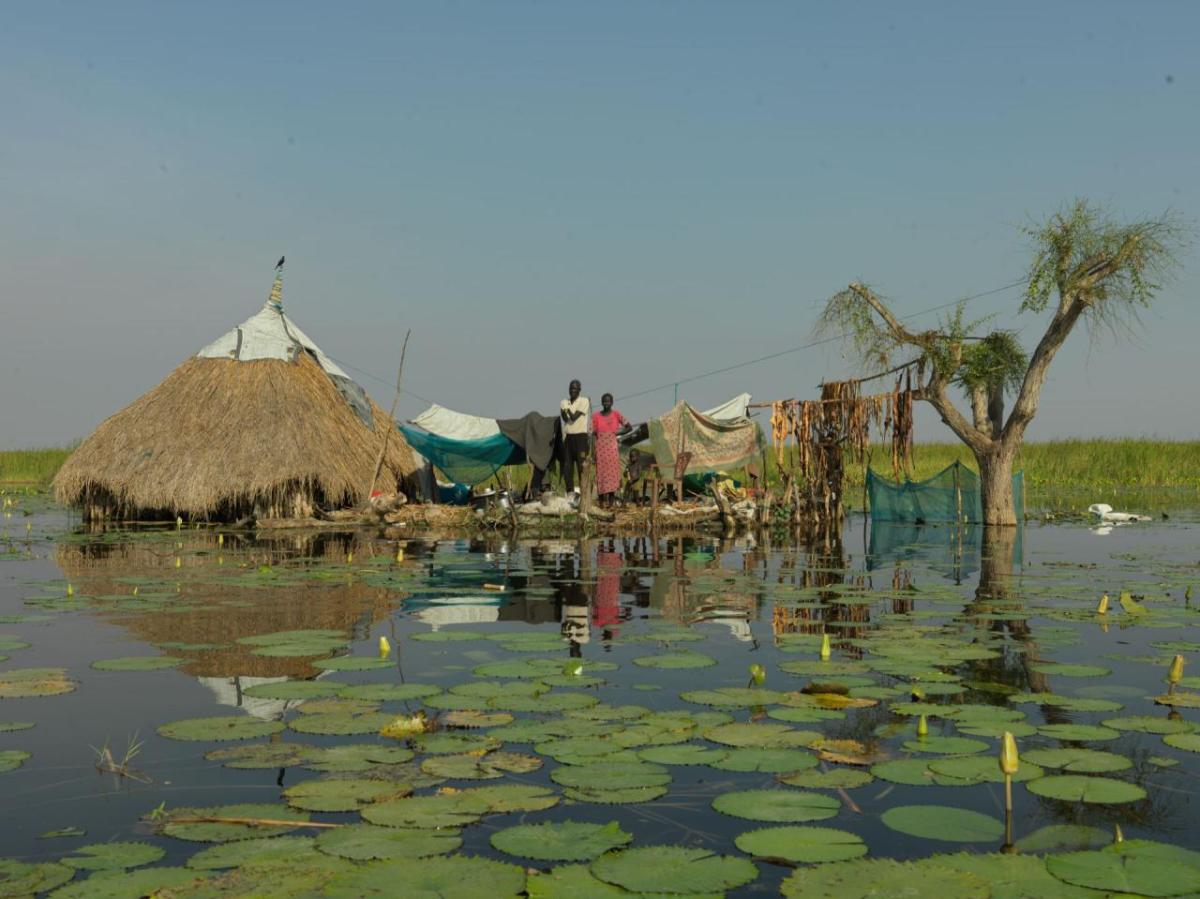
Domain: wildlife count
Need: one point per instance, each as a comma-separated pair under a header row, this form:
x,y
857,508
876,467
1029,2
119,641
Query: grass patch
x,y
32,466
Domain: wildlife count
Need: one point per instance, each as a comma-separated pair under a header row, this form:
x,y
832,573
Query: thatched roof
x,y
259,419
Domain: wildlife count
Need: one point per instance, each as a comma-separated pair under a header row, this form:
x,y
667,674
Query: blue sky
x,y
626,192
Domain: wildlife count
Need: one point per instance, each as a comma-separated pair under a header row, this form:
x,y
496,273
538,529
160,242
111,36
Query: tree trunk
x,y
996,488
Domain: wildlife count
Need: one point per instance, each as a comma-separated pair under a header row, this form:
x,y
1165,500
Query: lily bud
x,y
1102,609
178,522
70,590
385,647
758,674
1118,836
1175,672
220,539
178,562
573,668
922,727
349,558
1008,755
826,649
400,554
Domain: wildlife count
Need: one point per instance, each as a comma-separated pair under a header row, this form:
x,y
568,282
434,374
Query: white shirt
x,y
579,425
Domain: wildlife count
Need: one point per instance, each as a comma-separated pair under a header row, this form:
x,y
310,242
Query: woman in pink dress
x,y
606,425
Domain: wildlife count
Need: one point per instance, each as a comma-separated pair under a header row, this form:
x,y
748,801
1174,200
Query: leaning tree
x,y
1085,266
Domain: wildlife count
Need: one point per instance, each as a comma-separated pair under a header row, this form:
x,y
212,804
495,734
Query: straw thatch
x,y
222,439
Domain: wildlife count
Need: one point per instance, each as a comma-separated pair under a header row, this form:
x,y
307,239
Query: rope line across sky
x,y
718,371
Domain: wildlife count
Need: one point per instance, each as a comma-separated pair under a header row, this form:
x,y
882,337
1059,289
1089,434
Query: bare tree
x,y
1085,266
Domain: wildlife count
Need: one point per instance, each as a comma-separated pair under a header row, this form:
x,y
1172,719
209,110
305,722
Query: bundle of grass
x,y
258,423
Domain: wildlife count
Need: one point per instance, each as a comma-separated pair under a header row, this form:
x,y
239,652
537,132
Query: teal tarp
x,y
465,461
950,495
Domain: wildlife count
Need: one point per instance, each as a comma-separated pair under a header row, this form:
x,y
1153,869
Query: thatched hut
x,y
258,423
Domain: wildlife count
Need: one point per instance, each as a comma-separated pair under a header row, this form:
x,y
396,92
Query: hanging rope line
x,y
811,344
717,371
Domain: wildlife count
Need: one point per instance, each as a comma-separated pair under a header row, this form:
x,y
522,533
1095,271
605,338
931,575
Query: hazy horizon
x,y
631,194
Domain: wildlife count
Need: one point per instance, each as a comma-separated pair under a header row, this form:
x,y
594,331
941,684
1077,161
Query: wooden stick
x,y
387,433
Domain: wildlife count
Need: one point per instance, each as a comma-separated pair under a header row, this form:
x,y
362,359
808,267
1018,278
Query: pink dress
x,y
608,458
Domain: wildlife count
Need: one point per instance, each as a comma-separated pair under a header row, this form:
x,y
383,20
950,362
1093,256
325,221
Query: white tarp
x,y
272,335
734,410
455,425
267,335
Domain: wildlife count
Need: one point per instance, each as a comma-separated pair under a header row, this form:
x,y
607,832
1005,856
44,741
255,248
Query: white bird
x,y
1105,512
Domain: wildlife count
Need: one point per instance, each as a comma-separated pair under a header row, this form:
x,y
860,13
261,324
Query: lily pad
x,y
883,879
26,878
561,840
367,842
760,735
260,755
453,877
220,728
611,775
341,794
833,779
224,831
491,766
449,810
295,689
12,759
767,761
353,663
784,806
946,745
942,822
1187,742
1079,761
350,757
577,882
125,884
982,769
21,683
1062,837
673,869
623,796
341,724
390,692
138,663
1078,732
1079,788
802,844
1148,724
259,851
11,726
447,743
682,754
1142,875
513,797
733,697
113,856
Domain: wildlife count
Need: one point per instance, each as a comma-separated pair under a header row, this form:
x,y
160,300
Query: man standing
x,y
575,411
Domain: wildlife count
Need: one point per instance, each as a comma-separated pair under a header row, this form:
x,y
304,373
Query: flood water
x,y
658,625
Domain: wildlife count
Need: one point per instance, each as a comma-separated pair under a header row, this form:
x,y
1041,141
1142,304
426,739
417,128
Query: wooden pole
x,y
387,432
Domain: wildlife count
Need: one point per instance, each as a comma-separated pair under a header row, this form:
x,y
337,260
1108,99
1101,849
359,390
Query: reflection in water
x,y
591,598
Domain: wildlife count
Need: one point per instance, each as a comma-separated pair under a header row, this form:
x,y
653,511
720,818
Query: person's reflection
x,y
606,610
571,598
